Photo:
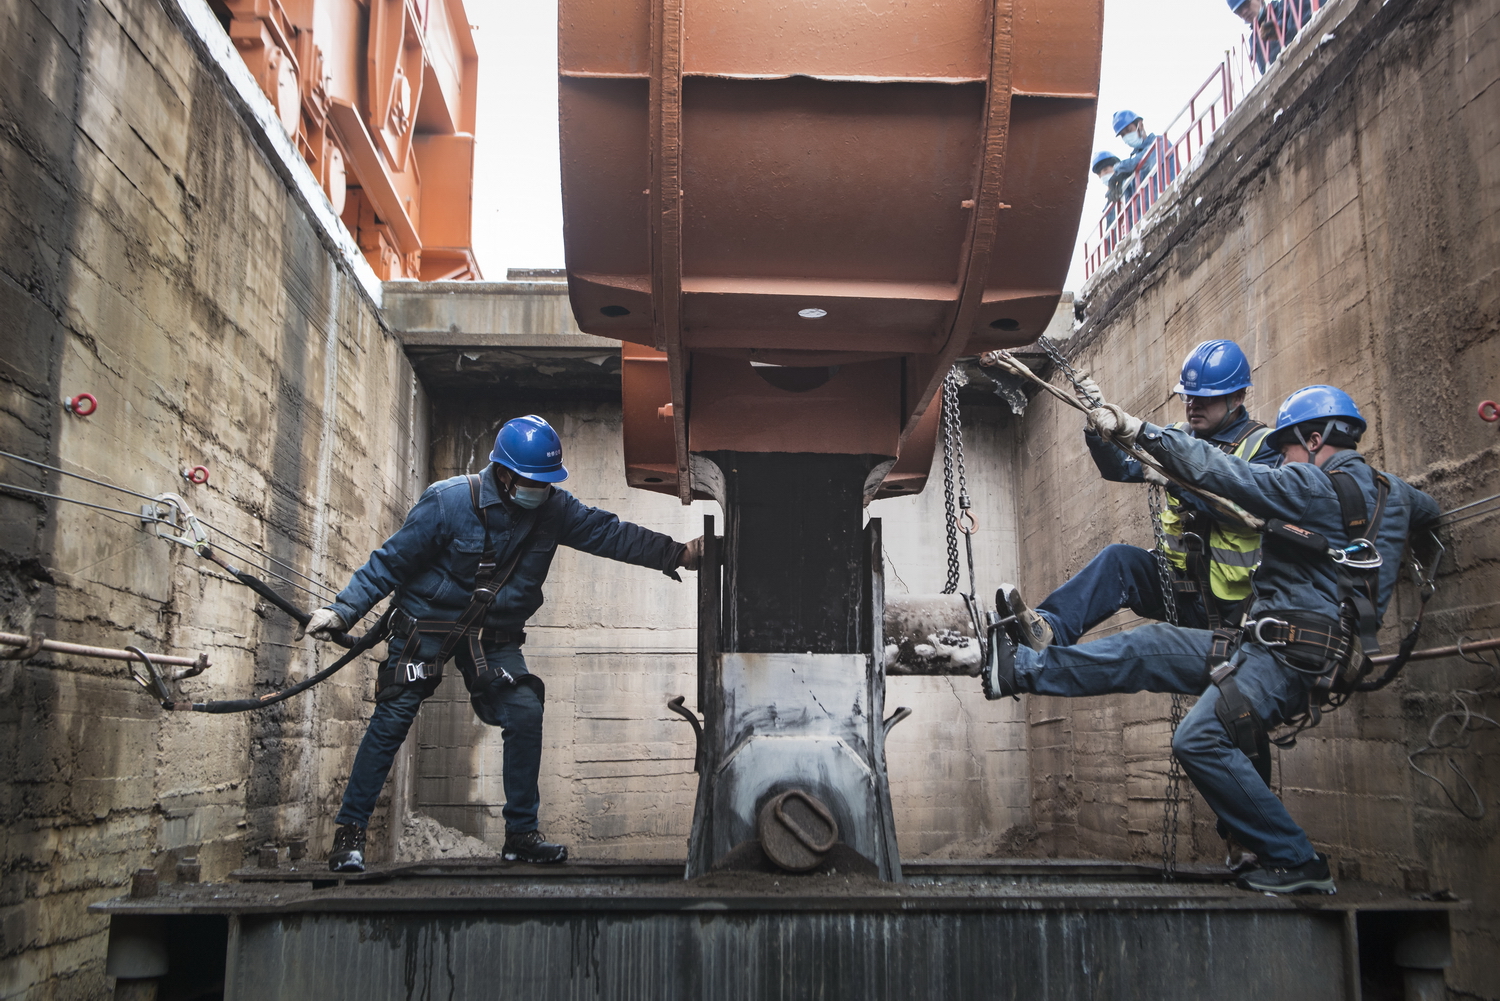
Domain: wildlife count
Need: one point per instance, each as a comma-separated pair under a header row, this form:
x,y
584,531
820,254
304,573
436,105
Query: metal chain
x,y
1055,354
953,455
1172,803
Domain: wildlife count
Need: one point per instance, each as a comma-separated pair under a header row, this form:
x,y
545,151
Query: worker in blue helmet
x,y
1335,530
1274,24
1210,559
1141,177
1103,167
467,569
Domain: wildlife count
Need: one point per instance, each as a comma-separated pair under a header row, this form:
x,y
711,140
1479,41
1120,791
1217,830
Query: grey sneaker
x,y
1311,876
1031,627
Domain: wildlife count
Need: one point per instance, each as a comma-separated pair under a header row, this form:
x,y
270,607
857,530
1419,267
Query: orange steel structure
x,y
798,213
379,97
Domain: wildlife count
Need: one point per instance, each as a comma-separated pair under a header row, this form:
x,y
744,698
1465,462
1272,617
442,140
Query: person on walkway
x,y
1211,559
1147,171
467,568
1103,167
1299,641
1274,25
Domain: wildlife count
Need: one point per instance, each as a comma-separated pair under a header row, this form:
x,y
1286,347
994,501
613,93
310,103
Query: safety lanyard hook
x,y
155,686
194,536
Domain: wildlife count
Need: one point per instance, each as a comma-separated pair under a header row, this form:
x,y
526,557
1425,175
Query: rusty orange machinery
x,y
798,213
379,97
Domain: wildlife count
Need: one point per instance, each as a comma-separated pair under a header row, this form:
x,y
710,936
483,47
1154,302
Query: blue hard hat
x,y
1321,403
1214,368
529,446
1100,157
1237,4
1123,120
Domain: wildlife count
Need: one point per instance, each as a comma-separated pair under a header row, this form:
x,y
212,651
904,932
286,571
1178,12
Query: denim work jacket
x,y
433,558
1300,493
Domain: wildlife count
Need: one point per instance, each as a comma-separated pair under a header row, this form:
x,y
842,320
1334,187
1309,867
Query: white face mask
x,y
528,497
1135,140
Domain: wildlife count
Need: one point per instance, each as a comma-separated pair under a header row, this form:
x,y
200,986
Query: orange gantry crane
x,y
379,97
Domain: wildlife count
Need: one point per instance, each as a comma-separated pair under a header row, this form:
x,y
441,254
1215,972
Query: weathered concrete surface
x,y
1345,228
150,255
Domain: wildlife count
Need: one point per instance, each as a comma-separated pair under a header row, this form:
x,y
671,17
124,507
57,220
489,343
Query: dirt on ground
x,y
424,839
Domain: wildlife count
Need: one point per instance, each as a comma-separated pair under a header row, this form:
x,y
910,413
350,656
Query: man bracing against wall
x,y
467,568
1211,557
1334,536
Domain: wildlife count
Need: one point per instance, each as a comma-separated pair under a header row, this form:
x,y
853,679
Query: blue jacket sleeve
x,y
1114,465
416,544
603,534
1283,492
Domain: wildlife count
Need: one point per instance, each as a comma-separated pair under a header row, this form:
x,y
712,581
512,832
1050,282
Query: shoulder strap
x,y
490,579
1361,590
1352,507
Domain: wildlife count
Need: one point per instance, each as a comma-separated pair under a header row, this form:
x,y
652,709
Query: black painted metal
x,y
793,563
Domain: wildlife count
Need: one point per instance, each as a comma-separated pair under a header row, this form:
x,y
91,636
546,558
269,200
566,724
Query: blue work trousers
x,y
512,706
1119,577
1164,658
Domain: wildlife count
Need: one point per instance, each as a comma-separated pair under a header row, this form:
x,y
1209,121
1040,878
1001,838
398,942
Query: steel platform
x,y
633,930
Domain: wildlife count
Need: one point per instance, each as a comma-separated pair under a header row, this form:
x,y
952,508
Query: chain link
x,y
1056,355
953,456
1172,803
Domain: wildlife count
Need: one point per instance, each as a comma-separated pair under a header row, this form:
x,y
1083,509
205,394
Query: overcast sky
x,y
1156,54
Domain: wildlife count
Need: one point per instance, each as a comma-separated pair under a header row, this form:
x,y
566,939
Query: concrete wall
x,y
615,642
1344,227
151,254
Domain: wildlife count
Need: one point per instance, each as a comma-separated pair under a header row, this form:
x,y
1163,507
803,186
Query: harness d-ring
x,y
971,527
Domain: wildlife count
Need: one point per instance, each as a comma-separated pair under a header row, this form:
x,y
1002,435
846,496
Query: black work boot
x,y
348,853
1311,876
530,846
998,675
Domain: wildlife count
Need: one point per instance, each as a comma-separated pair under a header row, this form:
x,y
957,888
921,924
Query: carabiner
x,y
1255,626
199,535
1372,559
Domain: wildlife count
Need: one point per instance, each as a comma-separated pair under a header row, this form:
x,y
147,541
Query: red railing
x,y
1196,123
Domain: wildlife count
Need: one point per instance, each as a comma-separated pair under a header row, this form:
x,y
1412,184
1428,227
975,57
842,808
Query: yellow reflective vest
x,y
1232,552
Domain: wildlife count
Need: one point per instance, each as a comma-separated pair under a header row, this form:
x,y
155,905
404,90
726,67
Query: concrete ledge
x,y
486,314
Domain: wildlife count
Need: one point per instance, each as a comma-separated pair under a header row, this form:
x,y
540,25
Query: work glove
x,y
1153,476
692,555
323,624
1086,388
1110,421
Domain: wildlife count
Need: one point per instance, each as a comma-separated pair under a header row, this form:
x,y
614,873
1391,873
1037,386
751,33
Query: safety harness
x,y
1335,653
1202,542
407,667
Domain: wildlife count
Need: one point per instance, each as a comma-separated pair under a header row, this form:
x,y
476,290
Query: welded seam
x,y
666,218
980,243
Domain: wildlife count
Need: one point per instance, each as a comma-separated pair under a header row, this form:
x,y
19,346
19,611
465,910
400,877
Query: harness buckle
x,y
1254,626
416,670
